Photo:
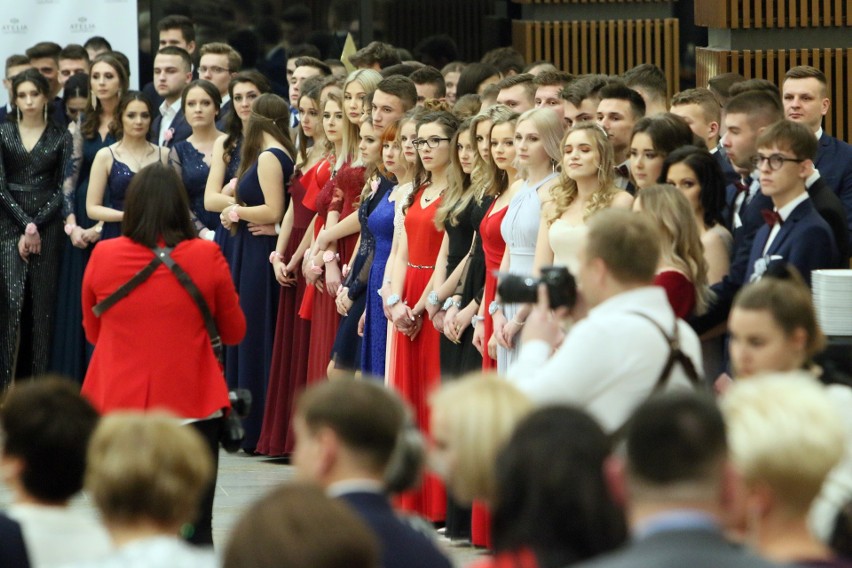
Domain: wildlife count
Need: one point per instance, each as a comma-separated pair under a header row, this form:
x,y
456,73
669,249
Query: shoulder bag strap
x,y
127,287
186,281
676,355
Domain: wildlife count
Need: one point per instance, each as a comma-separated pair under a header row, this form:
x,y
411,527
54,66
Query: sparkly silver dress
x,y
30,192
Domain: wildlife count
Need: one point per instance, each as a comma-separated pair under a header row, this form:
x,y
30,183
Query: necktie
x,y
622,171
771,217
294,117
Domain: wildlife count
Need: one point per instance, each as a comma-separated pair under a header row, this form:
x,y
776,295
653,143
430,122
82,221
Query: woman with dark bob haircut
x,y
152,348
552,507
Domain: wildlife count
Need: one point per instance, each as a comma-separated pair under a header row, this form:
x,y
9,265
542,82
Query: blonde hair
x,y
369,79
565,192
484,173
480,412
672,214
784,431
351,132
456,198
147,467
551,131
500,181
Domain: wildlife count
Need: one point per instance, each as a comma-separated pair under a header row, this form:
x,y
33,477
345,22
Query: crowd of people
x,y
346,253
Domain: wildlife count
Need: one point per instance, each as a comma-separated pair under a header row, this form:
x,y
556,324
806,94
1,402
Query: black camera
x,y
232,429
561,287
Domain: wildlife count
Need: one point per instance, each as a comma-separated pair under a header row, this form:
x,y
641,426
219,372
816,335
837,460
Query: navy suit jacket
x,y
834,162
13,551
722,159
402,546
805,241
752,221
182,130
830,208
224,116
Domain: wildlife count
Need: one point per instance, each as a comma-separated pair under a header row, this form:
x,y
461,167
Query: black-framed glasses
x,y
215,69
432,142
776,161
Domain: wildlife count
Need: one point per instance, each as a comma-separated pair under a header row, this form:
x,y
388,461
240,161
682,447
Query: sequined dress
x,y
194,172
30,192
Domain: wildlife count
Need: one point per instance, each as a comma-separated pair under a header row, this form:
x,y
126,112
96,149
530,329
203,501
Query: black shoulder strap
x,y
127,287
676,355
198,298
163,255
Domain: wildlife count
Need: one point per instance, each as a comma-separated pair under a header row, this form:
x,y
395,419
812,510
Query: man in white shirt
x,y
47,426
616,357
172,72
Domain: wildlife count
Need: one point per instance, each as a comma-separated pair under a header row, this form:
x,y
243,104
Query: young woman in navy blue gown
x,y
115,165
192,157
266,165
107,82
244,89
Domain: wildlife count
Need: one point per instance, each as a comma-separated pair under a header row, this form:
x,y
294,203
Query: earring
x,y
45,113
20,116
553,165
94,101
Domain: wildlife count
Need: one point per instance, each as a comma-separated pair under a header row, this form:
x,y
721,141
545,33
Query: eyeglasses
x,y
432,142
776,161
215,69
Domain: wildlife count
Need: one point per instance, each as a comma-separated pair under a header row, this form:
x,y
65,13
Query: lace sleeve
x,y
398,215
72,170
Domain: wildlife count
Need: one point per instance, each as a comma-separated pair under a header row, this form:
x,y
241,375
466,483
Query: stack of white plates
x,y
832,290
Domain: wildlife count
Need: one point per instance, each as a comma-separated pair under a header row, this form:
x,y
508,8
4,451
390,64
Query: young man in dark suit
x,y
805,94
747,115
348,433
172,72
678,483
794,232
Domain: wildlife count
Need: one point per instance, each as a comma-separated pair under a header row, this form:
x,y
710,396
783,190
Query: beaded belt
x,y
421,266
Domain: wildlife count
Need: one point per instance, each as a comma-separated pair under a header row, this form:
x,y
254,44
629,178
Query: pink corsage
x,y
345,270
233,214
31,229
374,185
232,185
69,228
168,135
273,255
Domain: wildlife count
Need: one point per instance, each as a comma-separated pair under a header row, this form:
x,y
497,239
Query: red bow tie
x,y
771,217
740,187
622,171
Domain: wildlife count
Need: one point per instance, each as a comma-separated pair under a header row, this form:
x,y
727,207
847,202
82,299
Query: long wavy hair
x,y
680,242
92,115
351,132
235,125
500,181
709,175
311,90
565,192
457,196
449,123
270,114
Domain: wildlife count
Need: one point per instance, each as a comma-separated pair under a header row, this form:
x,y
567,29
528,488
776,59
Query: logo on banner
x,y
82,26
14,26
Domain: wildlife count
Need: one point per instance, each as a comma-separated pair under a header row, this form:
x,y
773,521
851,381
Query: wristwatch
x,y
433,298
392,300
493,307
475,320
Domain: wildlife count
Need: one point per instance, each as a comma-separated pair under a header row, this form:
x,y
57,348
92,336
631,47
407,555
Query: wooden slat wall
x,y
748,14
611,46
587,1
773,64
460,19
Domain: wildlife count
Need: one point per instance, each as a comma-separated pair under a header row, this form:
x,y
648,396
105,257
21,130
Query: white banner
x,y
23,23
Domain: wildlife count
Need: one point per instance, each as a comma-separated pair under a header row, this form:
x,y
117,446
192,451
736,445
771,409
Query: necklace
x,y
434,196
149,150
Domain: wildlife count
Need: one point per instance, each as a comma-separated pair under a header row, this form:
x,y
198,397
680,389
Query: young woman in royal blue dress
x,y
191,157
115,165
107,82
266,165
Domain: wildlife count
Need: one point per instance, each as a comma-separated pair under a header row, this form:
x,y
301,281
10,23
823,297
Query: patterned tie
x,y
771,217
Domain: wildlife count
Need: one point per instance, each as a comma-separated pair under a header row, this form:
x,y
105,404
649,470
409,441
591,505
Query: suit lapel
x,y
789,225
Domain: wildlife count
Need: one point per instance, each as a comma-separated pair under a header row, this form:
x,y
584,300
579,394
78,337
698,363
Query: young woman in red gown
x,y
416,363
288,373
335,201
